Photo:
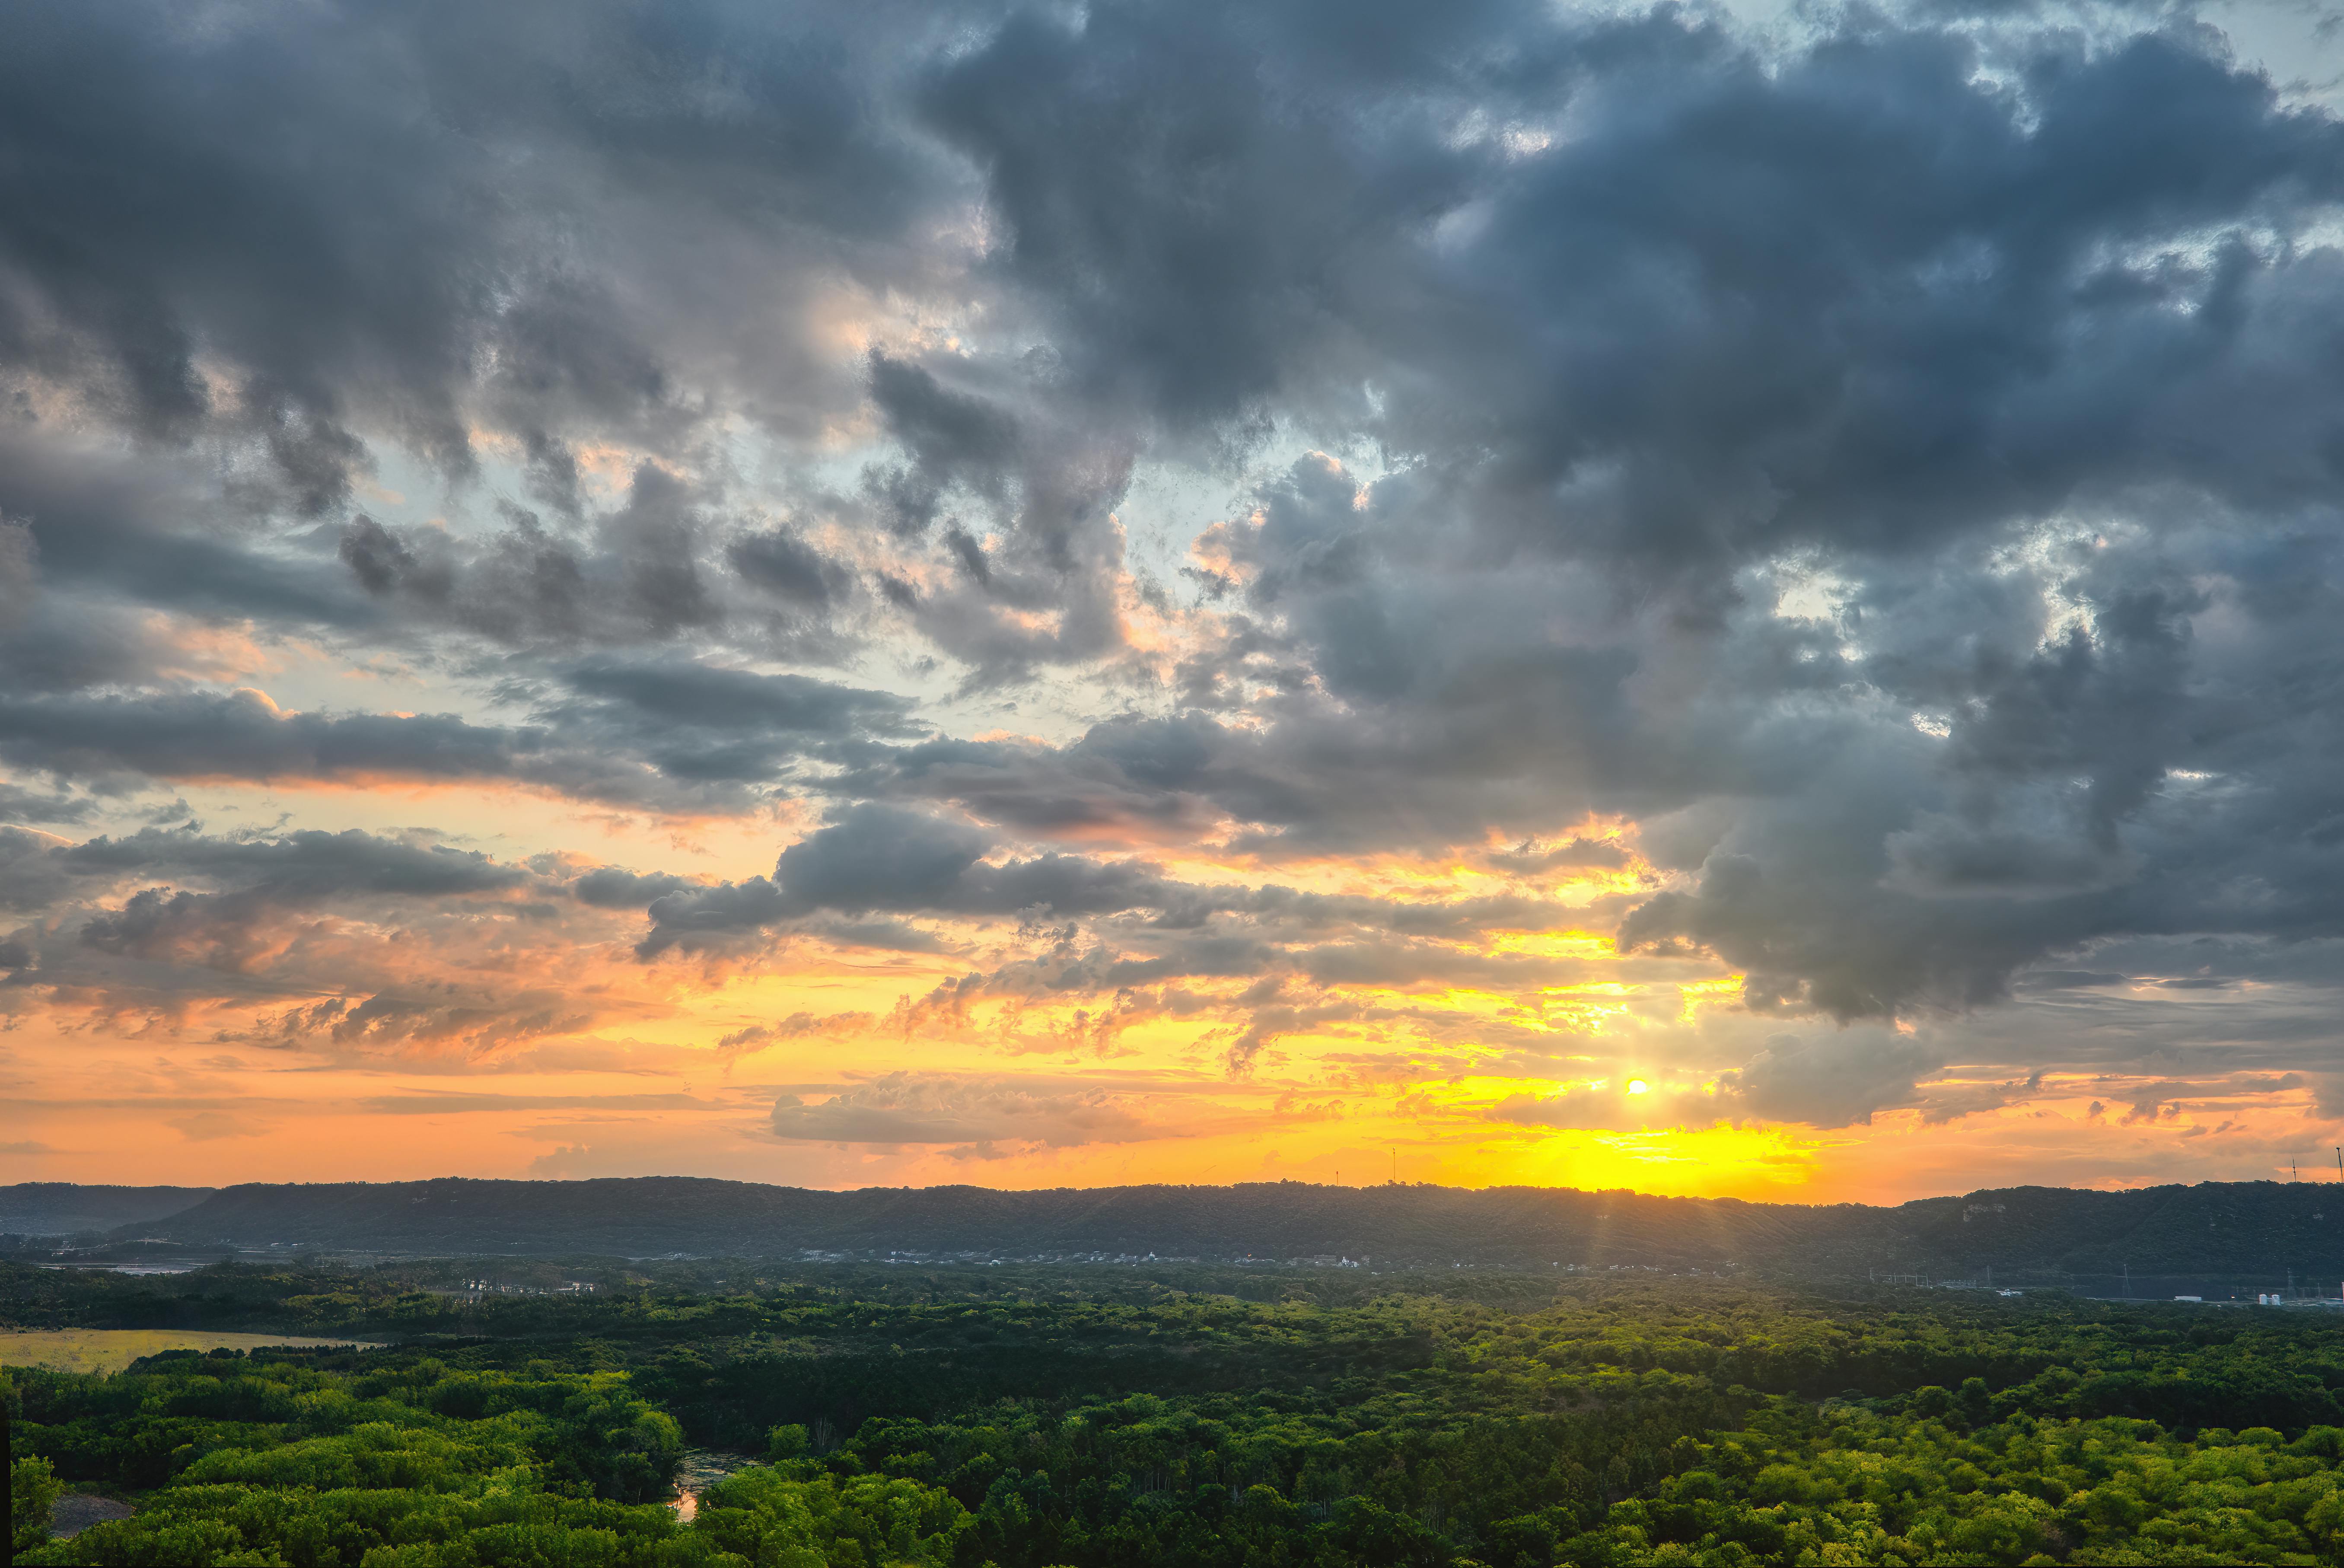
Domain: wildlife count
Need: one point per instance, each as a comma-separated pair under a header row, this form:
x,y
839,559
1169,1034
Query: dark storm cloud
x,y
884,859
1467,727
1898,808
239,735
2140,778
191,897
631,574
18,805
1132,773
1872,302
1864,296
391,214
1004,448
675,735
1829,1080
1207,198
221,931
780,561
954,438
298,864
717,699
30,876
2008,358
242,735
878,858
151,529
283,245
612,888
698,724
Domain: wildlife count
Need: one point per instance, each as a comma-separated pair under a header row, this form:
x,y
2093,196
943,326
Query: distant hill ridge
x,y
2209,1229
64,1209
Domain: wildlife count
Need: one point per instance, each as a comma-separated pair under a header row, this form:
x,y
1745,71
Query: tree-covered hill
x,y
65,1207
1414,1225
2261,1228
2211,1227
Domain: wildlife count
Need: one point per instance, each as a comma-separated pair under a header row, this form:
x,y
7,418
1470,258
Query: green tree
x,y
32,1492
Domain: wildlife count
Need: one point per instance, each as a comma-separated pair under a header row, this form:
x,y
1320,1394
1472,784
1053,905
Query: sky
x,y
1730,600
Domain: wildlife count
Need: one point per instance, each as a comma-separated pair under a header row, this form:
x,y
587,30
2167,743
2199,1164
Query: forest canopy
x,y
955,1419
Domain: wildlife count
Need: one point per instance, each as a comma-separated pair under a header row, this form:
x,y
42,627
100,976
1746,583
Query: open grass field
x,y
111,1350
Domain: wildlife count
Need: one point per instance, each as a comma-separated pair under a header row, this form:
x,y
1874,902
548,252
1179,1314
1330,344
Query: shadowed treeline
x,y
2039,1234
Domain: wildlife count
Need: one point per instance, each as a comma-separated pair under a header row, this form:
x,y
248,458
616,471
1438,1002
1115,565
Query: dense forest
x,y
967,1416
2235,1232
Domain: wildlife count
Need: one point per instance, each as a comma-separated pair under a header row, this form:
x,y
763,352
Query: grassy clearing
x,y
111,1350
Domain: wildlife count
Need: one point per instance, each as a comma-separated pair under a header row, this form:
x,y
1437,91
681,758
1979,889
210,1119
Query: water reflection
x,y
696,1471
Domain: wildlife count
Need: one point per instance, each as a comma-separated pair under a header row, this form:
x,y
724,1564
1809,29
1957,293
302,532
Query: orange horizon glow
x,y
627,1067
